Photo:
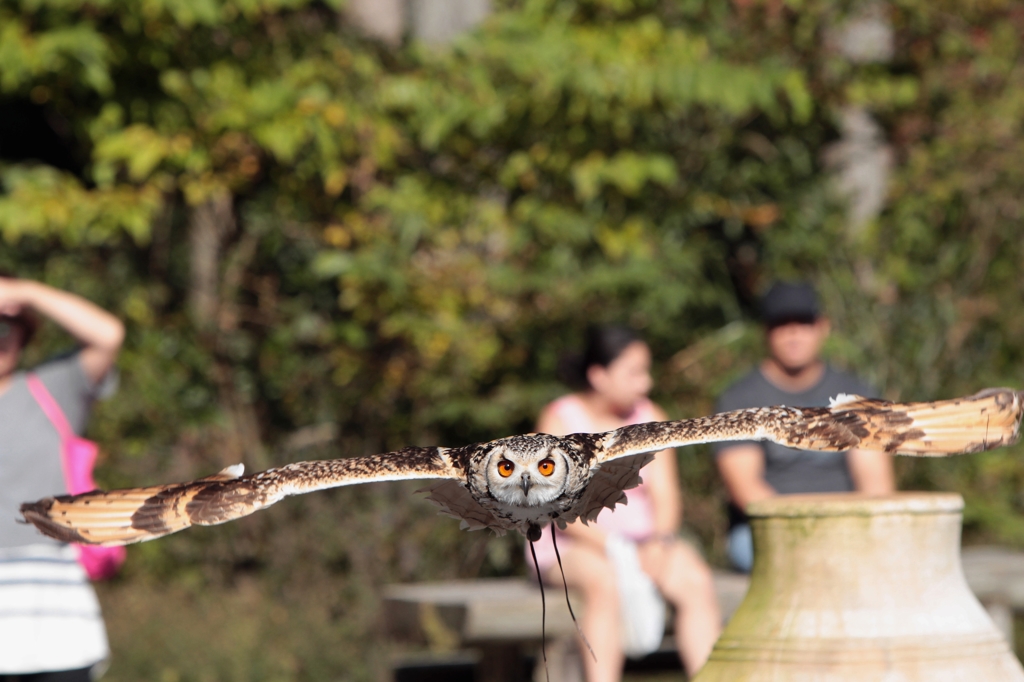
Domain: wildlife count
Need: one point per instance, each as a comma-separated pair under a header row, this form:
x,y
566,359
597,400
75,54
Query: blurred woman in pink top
x,y
615,369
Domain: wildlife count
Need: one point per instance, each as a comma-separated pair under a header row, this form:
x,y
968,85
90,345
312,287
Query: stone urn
x,y
849,587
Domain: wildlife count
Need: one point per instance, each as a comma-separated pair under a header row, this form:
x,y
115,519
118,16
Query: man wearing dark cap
x,y
793,374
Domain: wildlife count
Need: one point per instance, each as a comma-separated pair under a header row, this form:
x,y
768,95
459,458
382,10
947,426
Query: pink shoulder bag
x,y
78,457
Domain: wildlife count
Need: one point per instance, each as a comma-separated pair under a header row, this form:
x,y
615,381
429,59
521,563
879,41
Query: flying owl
x,y
525,482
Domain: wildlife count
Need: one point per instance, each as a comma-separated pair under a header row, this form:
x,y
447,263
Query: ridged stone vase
x,y
849,587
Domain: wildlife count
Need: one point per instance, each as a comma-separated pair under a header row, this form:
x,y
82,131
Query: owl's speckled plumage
x,y
581,475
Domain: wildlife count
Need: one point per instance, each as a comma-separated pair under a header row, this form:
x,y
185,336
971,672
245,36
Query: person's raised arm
x,y
99,332
871,471
742,471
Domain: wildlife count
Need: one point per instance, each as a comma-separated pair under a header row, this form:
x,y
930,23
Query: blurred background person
x,y
792,374
615,370
51,628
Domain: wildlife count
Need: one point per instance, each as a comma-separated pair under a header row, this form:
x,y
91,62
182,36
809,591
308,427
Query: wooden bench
x,y
500,618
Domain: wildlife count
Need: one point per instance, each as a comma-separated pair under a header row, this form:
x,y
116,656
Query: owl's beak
x,y
524,483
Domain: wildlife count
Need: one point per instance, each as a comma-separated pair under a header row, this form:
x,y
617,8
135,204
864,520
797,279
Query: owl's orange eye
x,y
505,468
546,467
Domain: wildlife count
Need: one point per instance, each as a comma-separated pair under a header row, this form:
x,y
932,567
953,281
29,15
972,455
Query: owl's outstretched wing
x,y
986,420
983,421
121,517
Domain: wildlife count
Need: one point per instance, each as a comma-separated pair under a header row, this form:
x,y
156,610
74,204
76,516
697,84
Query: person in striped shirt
x,y
51,627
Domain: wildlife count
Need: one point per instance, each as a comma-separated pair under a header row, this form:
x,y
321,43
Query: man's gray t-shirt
x,y
788,470
30,448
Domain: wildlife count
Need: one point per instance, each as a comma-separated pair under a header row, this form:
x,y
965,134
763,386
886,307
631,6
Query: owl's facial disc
x,y
528,471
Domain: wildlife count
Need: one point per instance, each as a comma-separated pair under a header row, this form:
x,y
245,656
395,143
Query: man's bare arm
x,y
99,332
871,471
742,470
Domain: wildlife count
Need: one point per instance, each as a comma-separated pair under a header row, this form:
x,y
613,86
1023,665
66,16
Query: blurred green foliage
x,y
325,247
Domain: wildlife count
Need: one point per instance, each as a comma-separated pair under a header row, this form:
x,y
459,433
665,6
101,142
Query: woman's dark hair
x,y
604,343
26,319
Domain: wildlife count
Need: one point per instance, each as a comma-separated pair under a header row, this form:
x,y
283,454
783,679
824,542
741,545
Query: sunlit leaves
x,y
627,171
78,51
547,66
41,201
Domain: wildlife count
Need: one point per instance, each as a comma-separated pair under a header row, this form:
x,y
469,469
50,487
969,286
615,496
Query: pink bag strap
x,y
50,407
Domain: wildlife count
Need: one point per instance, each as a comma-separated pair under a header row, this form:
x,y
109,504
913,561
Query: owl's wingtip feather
x,y
38,514
983,421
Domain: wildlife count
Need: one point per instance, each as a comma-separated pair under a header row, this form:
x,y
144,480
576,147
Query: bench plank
x,y
458,612
499,609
